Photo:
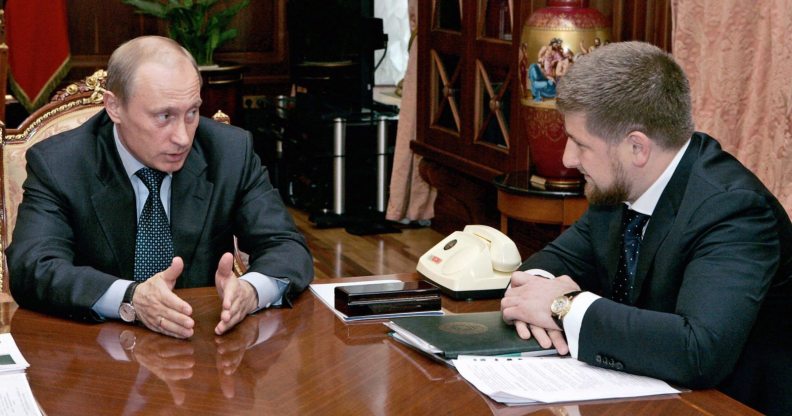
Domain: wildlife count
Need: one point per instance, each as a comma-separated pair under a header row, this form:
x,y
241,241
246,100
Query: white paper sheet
x,y
11,359
526,380
16,398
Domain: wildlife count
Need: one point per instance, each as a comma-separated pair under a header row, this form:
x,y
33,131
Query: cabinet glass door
x,y
496,20
447,15
446,82
492,104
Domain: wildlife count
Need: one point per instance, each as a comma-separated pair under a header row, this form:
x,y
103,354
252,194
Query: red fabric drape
x,y
38,48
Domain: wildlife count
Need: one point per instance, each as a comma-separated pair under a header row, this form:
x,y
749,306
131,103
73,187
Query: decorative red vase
x,y
551,38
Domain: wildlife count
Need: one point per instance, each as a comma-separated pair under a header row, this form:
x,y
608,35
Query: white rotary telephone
x,y
474,263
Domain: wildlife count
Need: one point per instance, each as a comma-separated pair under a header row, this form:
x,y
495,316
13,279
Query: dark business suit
x,y
75,231
718,243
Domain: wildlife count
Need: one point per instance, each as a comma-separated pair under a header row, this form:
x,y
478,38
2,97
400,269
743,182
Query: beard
x,y
616,193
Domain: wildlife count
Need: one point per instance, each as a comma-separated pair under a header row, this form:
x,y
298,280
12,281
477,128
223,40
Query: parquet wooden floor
x,y
338,253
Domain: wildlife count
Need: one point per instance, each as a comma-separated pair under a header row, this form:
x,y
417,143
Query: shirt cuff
x,y
573,320
542,273
269,289
107,306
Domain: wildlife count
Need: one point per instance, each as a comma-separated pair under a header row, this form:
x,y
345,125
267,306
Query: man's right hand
x,y
159,309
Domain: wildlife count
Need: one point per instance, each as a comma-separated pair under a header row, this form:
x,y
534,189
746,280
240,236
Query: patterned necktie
x,y
632,226
153,245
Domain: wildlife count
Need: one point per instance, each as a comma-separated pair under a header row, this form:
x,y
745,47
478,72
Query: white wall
x,y
396,24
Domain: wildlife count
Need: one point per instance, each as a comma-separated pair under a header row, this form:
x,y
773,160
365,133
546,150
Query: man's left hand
x,y
239,297
545,337
528,298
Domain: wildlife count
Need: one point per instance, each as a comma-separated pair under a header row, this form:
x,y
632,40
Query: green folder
x,y
481,333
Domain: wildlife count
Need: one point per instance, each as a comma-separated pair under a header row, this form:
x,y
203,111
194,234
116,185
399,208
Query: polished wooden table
x,y
303,360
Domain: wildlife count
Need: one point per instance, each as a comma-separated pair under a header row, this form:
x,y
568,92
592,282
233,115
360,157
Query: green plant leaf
x,y
149,7
227,35
195,24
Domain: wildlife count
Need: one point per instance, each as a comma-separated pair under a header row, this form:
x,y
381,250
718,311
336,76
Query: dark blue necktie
x,y
632,226
154,244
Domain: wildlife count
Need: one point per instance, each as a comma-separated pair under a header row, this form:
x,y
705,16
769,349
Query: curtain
x,y
38,49
738,56
411,198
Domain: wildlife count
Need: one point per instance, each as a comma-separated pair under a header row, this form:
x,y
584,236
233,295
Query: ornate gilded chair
x,y
68,109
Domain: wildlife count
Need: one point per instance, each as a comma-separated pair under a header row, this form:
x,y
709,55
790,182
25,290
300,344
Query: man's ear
x,y
641,147
113,106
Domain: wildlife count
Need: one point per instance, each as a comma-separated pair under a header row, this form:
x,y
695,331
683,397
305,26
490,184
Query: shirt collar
x,y
131,165
646,203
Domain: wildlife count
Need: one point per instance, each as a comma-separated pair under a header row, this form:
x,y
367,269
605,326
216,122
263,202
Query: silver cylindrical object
x,y
382,162
339,176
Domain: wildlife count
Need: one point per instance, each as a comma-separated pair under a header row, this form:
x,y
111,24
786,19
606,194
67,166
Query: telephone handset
x,y
474,263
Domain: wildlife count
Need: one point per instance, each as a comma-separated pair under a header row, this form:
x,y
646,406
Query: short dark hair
x,y
629,86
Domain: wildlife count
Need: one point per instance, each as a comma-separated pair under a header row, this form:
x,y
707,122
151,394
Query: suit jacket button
x,y
610,362
619,366
598,359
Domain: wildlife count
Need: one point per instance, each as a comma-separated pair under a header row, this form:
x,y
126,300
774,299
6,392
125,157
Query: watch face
x,y
558,305
127,312
127,339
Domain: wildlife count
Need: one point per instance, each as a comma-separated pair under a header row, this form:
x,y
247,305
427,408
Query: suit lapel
x,y
664,216
114,202
191,193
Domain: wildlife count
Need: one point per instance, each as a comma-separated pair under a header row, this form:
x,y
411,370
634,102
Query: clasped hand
x,y
526,305
161,310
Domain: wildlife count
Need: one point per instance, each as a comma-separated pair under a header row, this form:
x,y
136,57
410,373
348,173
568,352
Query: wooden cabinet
x,y
469,128
465,120
466,77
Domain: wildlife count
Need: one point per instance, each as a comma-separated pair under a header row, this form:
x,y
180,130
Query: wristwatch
x,y
127,310
561,306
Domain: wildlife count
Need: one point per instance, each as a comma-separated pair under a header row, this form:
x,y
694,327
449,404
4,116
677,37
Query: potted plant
x,y
198,25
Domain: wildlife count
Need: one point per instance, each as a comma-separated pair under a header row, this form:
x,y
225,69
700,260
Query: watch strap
x,y
571,295
130,292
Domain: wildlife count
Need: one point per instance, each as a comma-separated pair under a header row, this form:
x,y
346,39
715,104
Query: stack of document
x,y
15,396
479,333
11,359
531,380
326,293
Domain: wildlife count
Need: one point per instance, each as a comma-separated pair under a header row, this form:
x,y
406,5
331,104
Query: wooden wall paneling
x,y
644,20
262,44
97,27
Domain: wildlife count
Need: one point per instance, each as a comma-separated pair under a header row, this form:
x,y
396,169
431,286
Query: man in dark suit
x,y
95,238
711,259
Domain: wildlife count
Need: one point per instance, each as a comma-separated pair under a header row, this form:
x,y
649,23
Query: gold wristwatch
x,y
561,306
